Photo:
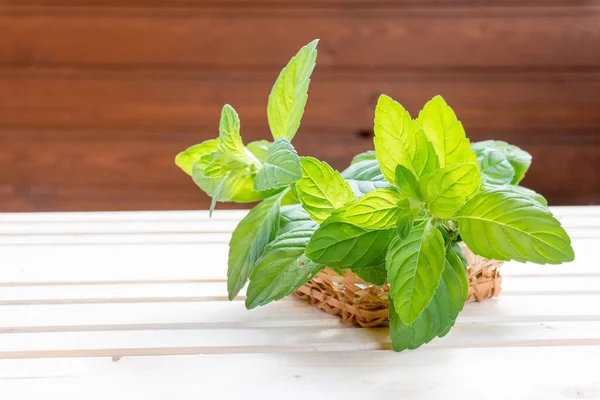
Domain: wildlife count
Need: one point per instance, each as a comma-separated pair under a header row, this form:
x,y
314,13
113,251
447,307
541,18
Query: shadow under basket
x,y
365,304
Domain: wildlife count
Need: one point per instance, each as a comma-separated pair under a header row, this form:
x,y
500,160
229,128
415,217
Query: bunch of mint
x,y
396,214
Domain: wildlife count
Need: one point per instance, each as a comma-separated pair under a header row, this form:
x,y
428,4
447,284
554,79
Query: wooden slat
x,y
560,371
436,37
522,102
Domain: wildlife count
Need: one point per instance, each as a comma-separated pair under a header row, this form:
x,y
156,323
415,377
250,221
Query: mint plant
x,y
396,214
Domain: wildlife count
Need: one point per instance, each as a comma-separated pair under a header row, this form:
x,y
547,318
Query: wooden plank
x,y
560,371
171,102
435,37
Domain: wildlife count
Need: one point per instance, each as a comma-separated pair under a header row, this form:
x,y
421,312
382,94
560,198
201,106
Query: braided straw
x,y
362,303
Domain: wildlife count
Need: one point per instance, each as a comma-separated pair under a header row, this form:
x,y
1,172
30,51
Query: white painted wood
x,y
84,295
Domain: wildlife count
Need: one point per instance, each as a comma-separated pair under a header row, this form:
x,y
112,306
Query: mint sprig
x,y
396,214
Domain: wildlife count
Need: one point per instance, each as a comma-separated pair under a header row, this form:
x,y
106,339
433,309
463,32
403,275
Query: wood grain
x,y
397,38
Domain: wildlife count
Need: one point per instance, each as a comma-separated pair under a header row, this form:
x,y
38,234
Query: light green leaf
x,y
440,315
528,193
504,225
375,274
232,152
366,156
340,244
240,184
254,232
519,159
187,158
446,133
375,210
406,182
281,168
446,189
495,167
321,189
282,269
293,217
290,92
364,177
414,268
259,149
400,141
215,168
218,195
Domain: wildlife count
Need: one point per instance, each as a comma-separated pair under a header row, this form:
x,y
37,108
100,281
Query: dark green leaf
x,y
520,160
281,167
414,268
254,232
294,217
375,274
495,167
282,269
440,315
366,156
364,177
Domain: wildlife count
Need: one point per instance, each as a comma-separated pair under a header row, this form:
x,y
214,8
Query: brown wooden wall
x,y
97,96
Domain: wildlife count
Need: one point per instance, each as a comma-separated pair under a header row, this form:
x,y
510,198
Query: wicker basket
x,y
362,303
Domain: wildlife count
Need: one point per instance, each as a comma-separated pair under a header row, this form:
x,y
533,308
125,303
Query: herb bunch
x,y
396,214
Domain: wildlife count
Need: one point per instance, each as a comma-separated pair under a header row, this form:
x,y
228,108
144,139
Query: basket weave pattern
x,y
362,303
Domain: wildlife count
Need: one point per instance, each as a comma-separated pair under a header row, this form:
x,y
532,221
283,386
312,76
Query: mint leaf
x,y
375,210
446,133
293,217
321,189
290,92
187,158
364,177
281,167
232,152
528,193
375,274
504,225
218,195
406,182
519,159
259,149
339,243
446,189
495,167
254,232
406,219
368,155
400,141
282,269
414,268
440,315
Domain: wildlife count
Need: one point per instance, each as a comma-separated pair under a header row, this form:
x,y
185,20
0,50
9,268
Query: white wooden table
x,y
133,305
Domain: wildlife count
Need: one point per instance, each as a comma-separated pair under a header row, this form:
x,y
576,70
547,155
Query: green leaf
x,y
218,195
519,159
446,133
339,243
366,156
375,274
495,167
290,92
528,193
232,152
239,187
259,149
440,315
294,217
215,168
187,158
282,269
254,232
504,225
406,219
375,210
407,184
400,141
364,177
281,168
414,268
321,189
446,189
